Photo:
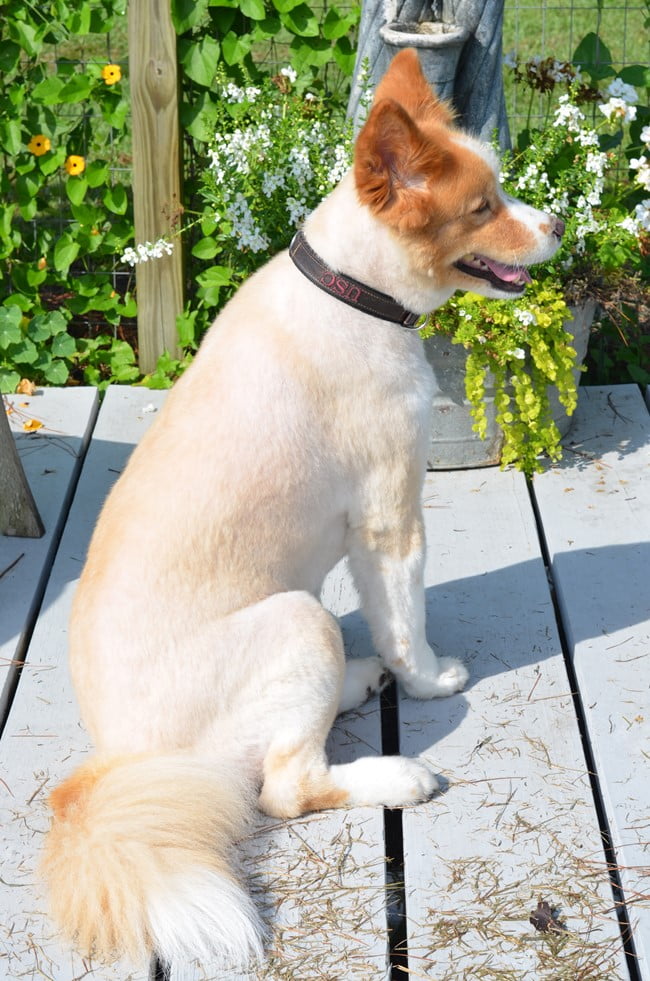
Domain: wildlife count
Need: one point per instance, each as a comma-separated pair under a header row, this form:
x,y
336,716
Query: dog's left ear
x,y
404,82
396,166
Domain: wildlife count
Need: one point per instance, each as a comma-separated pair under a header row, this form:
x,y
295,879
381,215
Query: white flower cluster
x,y
620,106
569,115
642,167
640,220
587,222
525,317
532,177
289,73
299,164
642,164
341,164
619,109
232,152
234,94
250,150
297,210
142,253
272,182
244,226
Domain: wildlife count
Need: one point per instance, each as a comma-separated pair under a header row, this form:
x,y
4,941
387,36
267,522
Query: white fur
x,y
202,914
364,677
389,780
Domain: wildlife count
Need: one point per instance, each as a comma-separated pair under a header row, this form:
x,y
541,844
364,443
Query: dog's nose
x,y
557,226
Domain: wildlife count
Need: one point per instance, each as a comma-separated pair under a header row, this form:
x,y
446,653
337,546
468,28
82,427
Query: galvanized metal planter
x,y
454,445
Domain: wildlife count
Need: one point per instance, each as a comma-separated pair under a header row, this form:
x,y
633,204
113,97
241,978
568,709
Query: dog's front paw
x,y
364,677
451,677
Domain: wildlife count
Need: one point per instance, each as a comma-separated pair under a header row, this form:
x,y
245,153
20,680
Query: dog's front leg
x,y
388,566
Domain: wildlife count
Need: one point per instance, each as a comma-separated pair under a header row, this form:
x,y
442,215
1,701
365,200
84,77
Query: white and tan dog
x,y
207,671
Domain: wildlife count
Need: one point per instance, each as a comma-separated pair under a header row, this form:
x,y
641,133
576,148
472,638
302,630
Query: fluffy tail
x,y
138,860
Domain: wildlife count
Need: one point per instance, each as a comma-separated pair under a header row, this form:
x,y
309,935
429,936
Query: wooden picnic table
x,y
543,589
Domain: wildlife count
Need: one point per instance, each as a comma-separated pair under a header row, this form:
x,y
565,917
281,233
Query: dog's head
x,y
438,190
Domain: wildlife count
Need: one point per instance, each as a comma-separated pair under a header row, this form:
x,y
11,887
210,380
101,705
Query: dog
x,y
207,672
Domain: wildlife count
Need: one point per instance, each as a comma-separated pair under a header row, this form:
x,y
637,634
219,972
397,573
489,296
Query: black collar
x,y
345,288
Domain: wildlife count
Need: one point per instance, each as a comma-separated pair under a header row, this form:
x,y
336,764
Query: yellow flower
x,y
39,144
75,165
111,74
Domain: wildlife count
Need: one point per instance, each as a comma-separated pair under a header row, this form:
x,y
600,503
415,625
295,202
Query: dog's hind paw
x,y
391,781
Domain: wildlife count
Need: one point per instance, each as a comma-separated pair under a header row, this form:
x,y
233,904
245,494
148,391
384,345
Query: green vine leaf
x,y
200,59
10,332
66,251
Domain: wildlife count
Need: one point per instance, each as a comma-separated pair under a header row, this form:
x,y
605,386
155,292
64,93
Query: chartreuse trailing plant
x,y
588,163
521,347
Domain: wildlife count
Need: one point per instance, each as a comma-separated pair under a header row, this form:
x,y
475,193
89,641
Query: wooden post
x,y
18,512
153,72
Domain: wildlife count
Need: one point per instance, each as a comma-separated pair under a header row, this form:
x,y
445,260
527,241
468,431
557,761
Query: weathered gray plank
x,y
43,739
51,457
516,823
320,880
595,508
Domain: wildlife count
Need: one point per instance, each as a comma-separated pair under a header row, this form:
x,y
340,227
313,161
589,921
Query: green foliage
x,y
523,348
264,143
275,154
589,163
64,211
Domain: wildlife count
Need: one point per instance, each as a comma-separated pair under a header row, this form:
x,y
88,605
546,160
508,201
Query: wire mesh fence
x,y
546,29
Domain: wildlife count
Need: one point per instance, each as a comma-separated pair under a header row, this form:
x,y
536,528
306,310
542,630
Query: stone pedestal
x,y
475,86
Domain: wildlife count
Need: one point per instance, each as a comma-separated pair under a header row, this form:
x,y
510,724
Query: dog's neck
x,y
366,249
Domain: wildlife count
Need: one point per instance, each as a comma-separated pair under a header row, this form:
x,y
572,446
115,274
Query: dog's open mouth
x,y
510,279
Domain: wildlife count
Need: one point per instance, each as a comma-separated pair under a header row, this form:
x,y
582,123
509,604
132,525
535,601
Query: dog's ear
x,y
396,165
404,82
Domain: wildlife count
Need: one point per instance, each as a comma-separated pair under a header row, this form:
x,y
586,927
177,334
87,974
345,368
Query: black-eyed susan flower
x,y
39,144
111,74
75,165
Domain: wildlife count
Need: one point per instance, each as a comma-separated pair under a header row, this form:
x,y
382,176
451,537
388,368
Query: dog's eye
x,y
482,209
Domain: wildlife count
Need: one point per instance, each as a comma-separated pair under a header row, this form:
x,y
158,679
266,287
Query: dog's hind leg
x,y
298,779
302,702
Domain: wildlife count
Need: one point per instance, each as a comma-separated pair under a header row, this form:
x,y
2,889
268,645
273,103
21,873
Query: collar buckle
x,y
410,320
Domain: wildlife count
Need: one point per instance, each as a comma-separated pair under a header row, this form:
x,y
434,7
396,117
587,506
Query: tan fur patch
x,y
294,784
76,788
320,795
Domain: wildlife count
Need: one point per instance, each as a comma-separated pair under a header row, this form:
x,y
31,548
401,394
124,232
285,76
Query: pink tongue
x,y
507,273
